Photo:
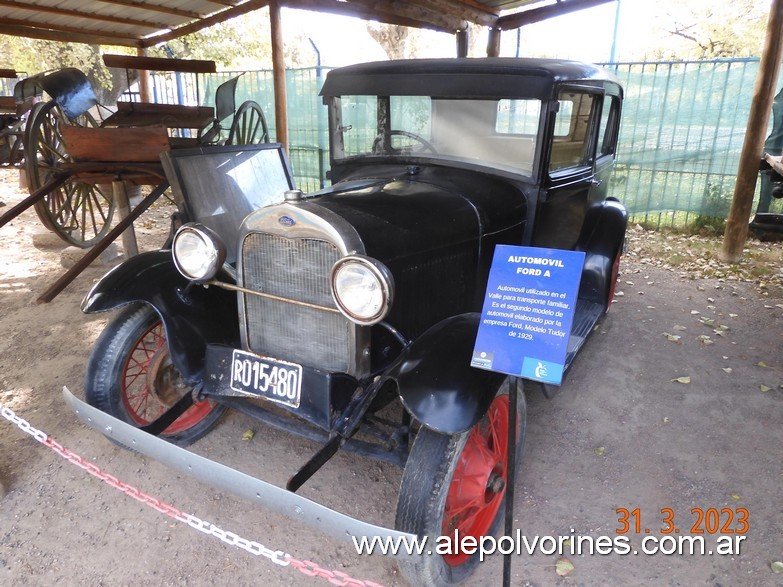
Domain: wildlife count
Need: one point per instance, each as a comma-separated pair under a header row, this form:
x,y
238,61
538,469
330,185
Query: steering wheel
x,y
376,144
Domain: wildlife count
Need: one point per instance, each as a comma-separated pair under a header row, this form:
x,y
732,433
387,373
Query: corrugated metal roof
x,y
142,23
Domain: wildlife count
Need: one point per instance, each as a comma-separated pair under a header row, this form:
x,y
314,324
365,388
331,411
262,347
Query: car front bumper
x,y
227,479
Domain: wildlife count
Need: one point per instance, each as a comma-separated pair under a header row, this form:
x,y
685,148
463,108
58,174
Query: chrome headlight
x,y
362,288
198,252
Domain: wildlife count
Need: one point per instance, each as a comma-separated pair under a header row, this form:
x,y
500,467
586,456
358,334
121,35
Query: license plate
x,y
271,379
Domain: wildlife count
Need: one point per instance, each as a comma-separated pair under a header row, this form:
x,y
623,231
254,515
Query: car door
x,y
569,181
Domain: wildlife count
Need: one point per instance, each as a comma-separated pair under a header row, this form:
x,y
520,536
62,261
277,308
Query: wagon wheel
x,y
79,213
249,126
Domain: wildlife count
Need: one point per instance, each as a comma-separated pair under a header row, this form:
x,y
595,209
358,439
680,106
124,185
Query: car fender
x,y
192,316
601,239
435,381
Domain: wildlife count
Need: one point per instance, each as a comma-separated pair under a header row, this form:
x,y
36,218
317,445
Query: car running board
x,y
586,316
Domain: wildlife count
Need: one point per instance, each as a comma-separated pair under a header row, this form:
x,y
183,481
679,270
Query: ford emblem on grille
x,y
286,221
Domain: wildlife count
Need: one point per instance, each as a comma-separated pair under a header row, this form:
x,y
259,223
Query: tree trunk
x,y
763,93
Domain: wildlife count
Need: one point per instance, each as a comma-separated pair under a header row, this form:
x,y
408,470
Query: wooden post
x,y
278,66
493,43
120,195
462,42
763,93
145,90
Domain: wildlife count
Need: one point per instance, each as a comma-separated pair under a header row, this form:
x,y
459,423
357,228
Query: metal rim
x,y
478,486
80,213
146,385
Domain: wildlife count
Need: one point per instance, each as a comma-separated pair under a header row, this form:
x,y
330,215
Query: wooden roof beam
x,y
50,35
467,12
154,8
57,28
418,18
406,9
518,19
207,22
79,14
224,2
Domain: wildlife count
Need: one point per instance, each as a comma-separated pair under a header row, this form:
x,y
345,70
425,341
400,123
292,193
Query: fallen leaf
x,y
777,567
599,451
764,388
707,321
684,380
722,328
735,497
727,369
619,294
705,340
733,315
720,332
761,364
678,327
563,566
672,337
666,419
248,435
695,312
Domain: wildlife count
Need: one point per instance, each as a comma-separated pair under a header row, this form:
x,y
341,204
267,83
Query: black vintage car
x,y
349,315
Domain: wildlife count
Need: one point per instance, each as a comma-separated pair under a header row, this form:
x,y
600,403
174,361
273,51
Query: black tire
x,y
435,461
128,375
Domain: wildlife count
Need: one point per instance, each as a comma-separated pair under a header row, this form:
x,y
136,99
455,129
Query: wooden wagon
x,y
69,136
13,114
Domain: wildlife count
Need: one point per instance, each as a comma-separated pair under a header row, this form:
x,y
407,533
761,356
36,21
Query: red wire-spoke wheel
x,y
151,384
479,483
130,376
455,485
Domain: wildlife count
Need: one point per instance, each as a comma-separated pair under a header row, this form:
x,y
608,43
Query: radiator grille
x,y
298,270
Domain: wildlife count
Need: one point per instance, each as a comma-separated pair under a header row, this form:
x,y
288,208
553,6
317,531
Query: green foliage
x,y
711,220
35,56
709,29
238,44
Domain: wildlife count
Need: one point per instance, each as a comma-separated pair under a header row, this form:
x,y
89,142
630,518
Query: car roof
x,y
462,77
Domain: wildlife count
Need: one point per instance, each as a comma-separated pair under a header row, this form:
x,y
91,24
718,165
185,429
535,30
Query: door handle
x,y
594,181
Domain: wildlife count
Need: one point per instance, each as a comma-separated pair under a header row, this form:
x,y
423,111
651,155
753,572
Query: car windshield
x,y
499,133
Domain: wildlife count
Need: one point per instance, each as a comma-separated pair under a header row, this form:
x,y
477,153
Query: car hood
x,y
399,217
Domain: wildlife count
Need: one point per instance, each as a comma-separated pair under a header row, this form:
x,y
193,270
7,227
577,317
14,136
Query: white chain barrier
x,y
277,557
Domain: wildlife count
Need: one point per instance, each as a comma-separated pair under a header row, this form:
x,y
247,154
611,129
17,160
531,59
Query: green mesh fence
x,y
680,139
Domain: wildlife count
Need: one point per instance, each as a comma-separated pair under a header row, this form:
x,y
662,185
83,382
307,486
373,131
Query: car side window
x,y
571,141
608,126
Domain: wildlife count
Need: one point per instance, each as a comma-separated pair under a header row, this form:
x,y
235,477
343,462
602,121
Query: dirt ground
x,y
645,420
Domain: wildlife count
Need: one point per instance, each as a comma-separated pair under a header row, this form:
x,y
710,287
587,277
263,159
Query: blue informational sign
x,y
528,310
